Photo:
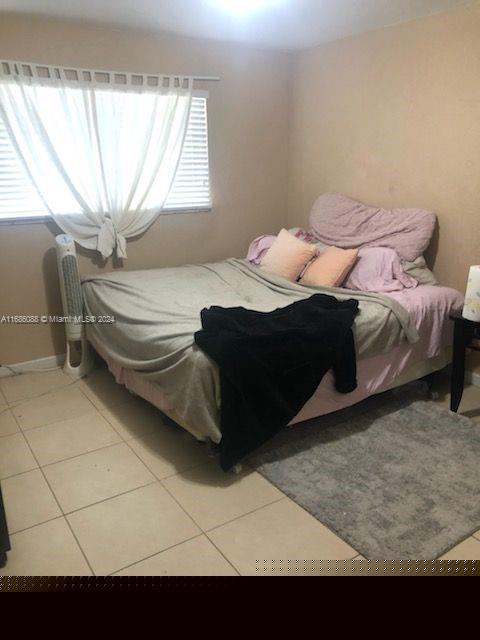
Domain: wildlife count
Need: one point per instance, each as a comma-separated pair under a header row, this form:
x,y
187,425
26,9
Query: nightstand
x,y
465,332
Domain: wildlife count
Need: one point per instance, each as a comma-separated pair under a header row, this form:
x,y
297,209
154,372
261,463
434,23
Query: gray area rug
x,y
397,476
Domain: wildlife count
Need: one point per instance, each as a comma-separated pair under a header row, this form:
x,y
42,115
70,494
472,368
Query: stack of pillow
x,y
353,245
295,259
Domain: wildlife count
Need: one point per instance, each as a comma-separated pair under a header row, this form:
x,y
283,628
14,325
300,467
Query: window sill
x,y
43,219
167,212
25,220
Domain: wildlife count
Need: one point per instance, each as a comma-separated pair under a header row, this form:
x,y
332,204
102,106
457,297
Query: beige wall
x,y
248,120
392,117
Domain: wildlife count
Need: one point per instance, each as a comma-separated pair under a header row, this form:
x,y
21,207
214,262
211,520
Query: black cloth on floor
x,y
271,364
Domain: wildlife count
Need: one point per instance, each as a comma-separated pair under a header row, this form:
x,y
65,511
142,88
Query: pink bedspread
x,y
430,307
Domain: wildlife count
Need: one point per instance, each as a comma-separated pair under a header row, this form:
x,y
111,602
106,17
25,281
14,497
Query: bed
x,y
401,334
150,349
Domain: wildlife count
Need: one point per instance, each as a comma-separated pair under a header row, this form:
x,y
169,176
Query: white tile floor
x,y
95,483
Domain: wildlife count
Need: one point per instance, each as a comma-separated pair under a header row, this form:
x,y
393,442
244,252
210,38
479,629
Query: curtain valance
x,y
37,73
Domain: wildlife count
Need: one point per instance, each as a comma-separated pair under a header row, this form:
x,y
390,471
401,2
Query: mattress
x,y
151,350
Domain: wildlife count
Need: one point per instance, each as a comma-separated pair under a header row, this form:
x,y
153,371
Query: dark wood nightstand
x,y
464,333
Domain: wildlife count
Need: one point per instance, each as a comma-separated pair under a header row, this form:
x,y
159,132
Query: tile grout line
x,y
37,524
59,506
48,424
77,455
29,447
164,487
222,553
92,504
92,410
18,401
5,409
20,473
247,513
196,524
49,464
22,431
209,531
157,553
71,383
5,435
116,495
155,481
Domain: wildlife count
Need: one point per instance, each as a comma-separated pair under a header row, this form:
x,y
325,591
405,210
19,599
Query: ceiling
x,y
282,24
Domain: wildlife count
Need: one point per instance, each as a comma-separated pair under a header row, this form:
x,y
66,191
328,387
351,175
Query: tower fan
x,y
72,300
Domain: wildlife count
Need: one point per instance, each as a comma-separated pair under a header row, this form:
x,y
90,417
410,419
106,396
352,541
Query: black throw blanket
x,y
271,364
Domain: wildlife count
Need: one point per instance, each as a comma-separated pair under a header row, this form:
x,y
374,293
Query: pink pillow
x,y
330,268
379,269
287,256
342,222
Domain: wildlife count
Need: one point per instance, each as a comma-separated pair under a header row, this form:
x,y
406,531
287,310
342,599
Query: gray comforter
x,y
157,311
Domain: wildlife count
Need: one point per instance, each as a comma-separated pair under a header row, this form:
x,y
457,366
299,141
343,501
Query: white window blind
x,y
18,197
191,186
190,189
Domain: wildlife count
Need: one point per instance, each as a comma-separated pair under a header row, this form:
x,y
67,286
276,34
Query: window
x,y
18,197
190,189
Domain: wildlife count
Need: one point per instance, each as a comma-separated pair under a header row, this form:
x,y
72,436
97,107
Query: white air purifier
x,y
72,299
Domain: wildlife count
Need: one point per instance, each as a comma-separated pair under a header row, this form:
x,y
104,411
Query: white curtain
x,y
101,158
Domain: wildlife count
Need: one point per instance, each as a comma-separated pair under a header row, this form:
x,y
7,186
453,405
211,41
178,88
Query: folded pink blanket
x,y
343,222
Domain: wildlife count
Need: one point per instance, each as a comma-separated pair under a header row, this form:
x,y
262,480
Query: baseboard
x,y
50,362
